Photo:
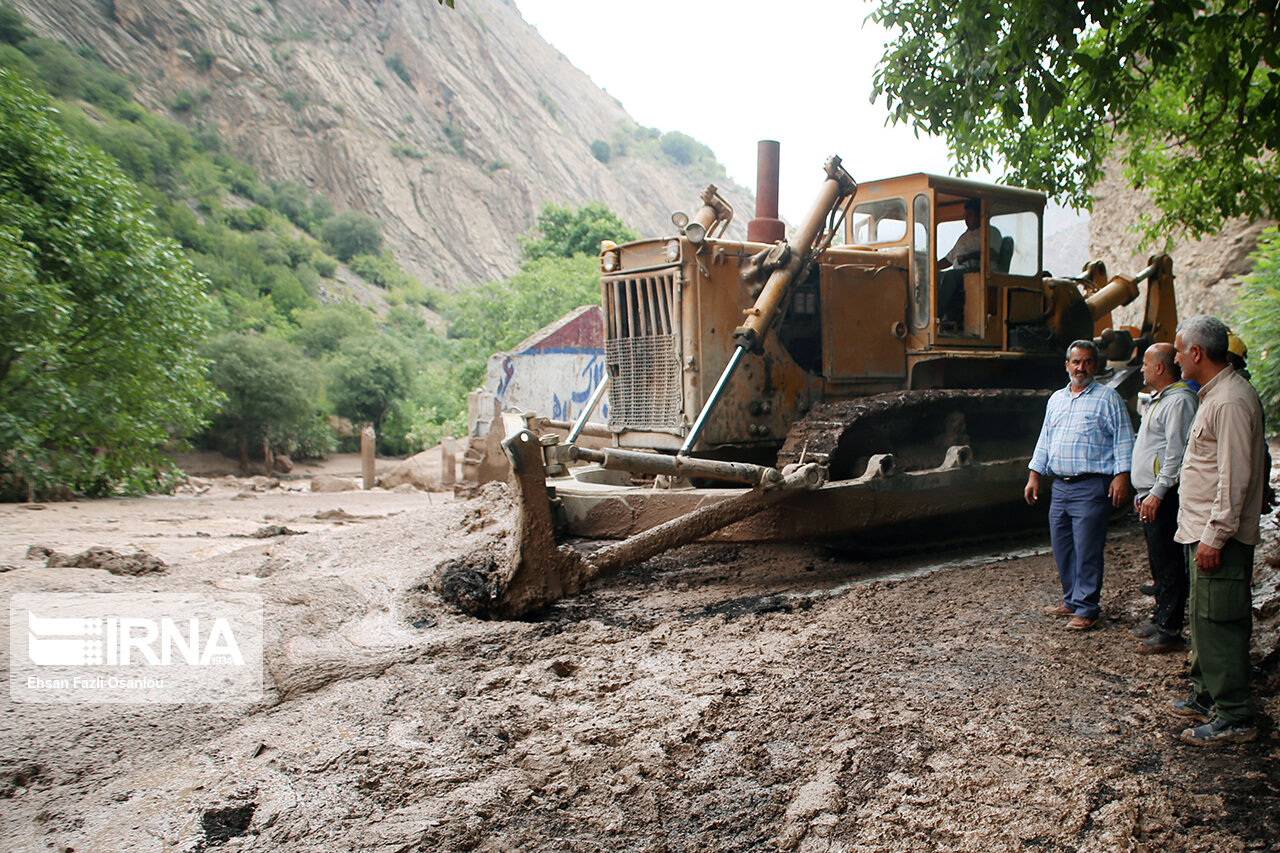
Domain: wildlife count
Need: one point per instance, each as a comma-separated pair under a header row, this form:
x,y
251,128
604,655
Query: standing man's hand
x,y
1148,508
1032,491
1120,490
1208,559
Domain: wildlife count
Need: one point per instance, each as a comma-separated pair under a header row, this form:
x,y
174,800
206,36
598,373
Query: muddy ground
x,y
719,698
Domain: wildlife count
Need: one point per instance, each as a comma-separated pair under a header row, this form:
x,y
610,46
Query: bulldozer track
x,y
916,427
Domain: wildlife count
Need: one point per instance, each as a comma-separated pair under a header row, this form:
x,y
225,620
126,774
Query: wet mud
x,y
716,698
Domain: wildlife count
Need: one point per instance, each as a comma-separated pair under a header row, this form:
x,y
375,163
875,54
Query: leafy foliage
x,y
1186,92
498,315
352,233
566,232
369,377
270,391
323,329
100,317
1257,321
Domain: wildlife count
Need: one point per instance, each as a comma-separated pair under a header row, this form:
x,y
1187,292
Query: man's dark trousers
x,y
1168,566
1221,621
1078,514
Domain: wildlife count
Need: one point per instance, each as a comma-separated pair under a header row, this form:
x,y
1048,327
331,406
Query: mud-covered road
x,y
719,698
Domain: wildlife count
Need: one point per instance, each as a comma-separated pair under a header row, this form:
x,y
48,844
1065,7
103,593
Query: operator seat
x,y
1005,256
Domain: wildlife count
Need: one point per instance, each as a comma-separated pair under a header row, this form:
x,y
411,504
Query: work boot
x,y
1218,731
1160,642
1196,706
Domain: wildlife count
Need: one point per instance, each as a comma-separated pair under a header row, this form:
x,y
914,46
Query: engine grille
x,y
642,351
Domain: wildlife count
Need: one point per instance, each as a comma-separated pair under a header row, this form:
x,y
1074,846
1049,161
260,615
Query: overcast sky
x,y
731,72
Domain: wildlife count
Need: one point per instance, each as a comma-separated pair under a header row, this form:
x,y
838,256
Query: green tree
x,y
1257,321
1185,92
498,315
270,391
100,318
352,233
565,232
369,376
323,329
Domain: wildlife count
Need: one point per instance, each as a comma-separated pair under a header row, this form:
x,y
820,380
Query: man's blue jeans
x,y
1078,515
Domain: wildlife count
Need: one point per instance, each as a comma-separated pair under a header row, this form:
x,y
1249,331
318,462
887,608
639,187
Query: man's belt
x,y
1079,477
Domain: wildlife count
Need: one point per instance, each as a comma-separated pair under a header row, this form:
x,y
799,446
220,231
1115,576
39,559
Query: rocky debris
x,y
282,464
194,486
223,824
273,530
421,471
470,583
330,483
338,514
14,777
260,483
98,557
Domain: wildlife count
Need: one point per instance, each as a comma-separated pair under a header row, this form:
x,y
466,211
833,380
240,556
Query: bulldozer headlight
x,y
609,261
673,250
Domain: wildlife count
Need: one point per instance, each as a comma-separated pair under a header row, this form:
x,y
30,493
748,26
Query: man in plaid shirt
x,y
1085,445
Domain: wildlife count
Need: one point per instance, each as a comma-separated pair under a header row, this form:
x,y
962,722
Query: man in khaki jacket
x,y
1218,520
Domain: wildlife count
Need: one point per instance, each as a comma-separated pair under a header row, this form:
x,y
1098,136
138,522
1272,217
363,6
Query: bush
x,y
601,150
1257,321
683,149
352,233
396,63
321,330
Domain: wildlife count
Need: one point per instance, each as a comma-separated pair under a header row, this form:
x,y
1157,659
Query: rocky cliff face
x,y
451,126
1207,271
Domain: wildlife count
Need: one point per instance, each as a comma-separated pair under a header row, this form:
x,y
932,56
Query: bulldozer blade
x,y
539,572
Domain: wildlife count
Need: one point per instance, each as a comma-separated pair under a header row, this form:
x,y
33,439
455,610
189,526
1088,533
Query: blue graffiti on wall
x,y
588,378
508,370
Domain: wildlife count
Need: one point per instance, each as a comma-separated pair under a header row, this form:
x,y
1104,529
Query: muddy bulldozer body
x,y
842,382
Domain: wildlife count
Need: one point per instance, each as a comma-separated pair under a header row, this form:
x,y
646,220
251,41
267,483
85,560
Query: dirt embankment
x,y
719,698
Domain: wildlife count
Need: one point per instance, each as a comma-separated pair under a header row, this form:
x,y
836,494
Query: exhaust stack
x,y
766,227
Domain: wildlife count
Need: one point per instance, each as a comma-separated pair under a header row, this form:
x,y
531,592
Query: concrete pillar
x,y
448,463
368,440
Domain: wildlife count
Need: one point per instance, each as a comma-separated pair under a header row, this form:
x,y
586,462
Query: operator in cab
x,y
965,256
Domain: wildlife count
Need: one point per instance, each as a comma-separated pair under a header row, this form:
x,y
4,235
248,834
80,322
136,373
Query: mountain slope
x,y
452,127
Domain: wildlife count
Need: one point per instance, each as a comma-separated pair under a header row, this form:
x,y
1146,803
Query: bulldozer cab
x,y
975,253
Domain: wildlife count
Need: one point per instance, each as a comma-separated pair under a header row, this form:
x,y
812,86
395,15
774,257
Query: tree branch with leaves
x,y
1186,94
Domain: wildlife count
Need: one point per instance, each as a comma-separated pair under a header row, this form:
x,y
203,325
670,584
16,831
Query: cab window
x,y
1024,228
883,221
922,261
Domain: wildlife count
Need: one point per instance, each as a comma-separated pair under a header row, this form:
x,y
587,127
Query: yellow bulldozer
x,y
884,369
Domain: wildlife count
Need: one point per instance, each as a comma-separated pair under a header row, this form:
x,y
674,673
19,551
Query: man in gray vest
x,y
1157,460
